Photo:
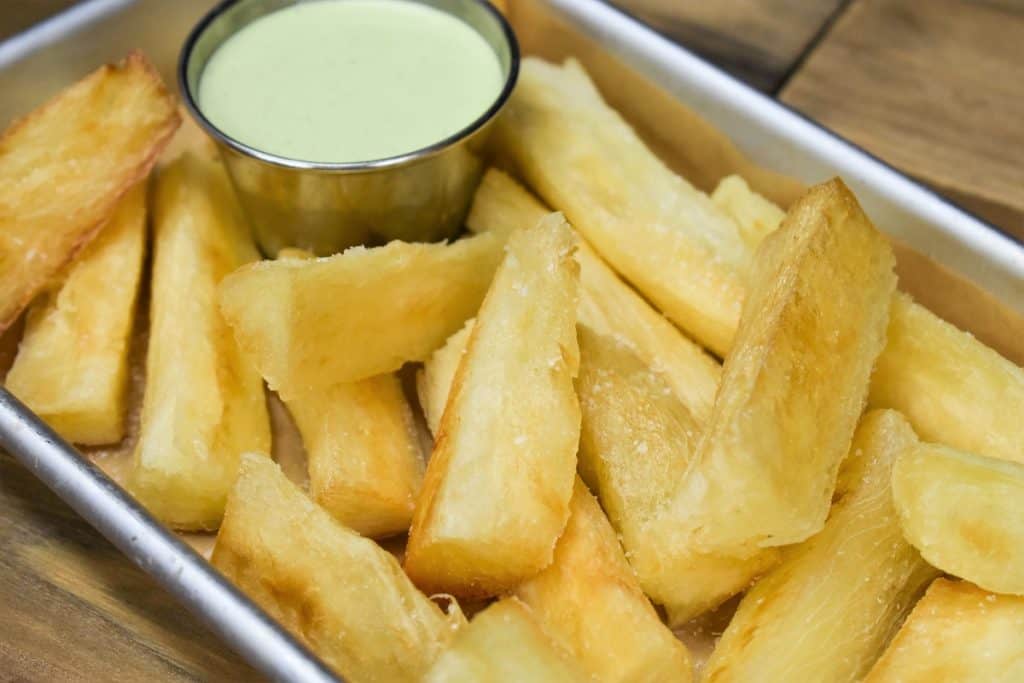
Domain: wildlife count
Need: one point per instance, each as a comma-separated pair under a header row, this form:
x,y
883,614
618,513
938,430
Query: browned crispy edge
x,y
136,58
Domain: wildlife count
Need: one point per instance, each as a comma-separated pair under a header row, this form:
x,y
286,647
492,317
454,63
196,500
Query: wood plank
x,y
935,88
758,41
74,609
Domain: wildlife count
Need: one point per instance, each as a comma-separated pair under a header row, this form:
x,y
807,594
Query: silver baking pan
x,y
37,63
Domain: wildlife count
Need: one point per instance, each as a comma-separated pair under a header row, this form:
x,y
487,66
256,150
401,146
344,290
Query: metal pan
x,y
39,62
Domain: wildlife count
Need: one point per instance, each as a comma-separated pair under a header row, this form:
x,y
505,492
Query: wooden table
x,y
935,88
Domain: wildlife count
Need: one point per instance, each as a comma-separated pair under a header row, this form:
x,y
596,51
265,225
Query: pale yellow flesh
x,y
637,445
965,513
795,382
496,493
607,304
72,364
504,643
826,613
65,167
957,632
664,236
954,389
577,154
363,452
340,594
203,404
311,324
589,601
755,216
434,380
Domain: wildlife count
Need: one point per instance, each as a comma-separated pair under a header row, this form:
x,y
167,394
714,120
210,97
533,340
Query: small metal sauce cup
x,y
422,195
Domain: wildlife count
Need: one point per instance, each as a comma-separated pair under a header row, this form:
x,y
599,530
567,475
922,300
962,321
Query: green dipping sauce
x,y
349,80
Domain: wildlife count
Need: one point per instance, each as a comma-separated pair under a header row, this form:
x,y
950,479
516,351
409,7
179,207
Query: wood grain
x,y
758,41
75,609
935,88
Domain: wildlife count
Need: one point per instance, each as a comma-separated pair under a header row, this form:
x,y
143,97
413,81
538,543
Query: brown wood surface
x,y
935,87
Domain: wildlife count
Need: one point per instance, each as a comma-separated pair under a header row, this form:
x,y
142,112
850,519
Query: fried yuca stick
x,y
637,445
951,387
583,159
393,304
501,644
362,449
663,235
755,216
203,404
496,493
607,304
341,594
965,513
957,632
365,463
827,612
72,364
65,166
588,601
434,380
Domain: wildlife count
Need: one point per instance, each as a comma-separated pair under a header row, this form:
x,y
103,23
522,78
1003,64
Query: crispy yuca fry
x,y
365,464
341,594
636,447
796,380
755,216
389,305
590,603
504,643
204,404
826,613
954,389
362,448
607,304
662,234
496,493
72,365
434,380
965,513
65,166
957,632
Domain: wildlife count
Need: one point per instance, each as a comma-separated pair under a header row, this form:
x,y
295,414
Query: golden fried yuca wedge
x,y
755,216
965,513
65,166
309,325
637,445
607,304
795,382
362,449
365,463
826,613
953,388
588,601
203,404
957,632
663,235
434,380
502,644
341,594
72,365
496,493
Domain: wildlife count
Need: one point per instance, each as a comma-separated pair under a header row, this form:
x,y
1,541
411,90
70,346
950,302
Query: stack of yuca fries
x,y
596,475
